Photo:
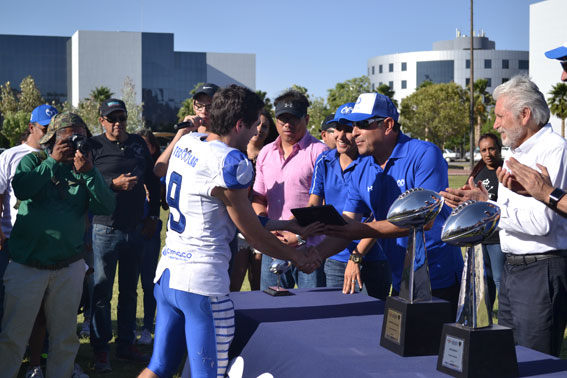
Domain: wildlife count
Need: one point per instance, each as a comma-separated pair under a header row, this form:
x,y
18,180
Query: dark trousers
x,y
533,302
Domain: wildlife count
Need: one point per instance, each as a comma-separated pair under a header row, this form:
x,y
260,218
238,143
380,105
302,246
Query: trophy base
x,y
414,329
275,291
477,353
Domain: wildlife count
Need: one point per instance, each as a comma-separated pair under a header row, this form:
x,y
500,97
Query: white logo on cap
x,y
346,110
288,105
207,87
365,103
49,112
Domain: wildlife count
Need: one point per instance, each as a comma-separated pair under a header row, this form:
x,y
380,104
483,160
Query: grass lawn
x,y
127,370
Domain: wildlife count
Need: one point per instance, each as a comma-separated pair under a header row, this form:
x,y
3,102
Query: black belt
x,y
531,258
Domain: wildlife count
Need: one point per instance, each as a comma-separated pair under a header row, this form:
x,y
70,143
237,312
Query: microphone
x,y
182,125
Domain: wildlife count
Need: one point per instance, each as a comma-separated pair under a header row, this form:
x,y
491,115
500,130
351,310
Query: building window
x,y
380,68
504,79
391,84
488,63
372,70
391,67
524,64
380,83
404,66
404,84
505,64
468,82
488,82
468,64
372,87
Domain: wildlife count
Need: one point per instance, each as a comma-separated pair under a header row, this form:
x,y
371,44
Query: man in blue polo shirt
x,y
392,163
362,262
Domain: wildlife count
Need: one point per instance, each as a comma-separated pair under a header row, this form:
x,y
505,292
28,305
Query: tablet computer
x,y
326,214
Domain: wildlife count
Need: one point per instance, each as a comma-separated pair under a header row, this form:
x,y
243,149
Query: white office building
x,y
448,61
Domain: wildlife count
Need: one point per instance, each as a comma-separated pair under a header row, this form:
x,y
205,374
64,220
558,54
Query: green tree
x,y
436,112
88,110
187,104
558,103
29,96
347,91
14,125
99,94
8,99
483,102
318,111
387,91
135,110
267,101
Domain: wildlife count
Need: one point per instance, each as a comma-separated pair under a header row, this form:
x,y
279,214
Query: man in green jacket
x,y
56,188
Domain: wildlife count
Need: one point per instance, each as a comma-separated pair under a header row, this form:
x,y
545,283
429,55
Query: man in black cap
x,y
125,163
202,100
283,175
328,135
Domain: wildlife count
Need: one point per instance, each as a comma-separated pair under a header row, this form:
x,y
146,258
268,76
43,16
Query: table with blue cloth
x,y
324,333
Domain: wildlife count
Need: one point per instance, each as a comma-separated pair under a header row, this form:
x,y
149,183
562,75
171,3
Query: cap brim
x,y
355,117
296,113
44,122
558,53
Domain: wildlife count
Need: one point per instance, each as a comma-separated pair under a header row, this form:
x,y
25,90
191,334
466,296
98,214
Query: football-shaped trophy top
x,y
415,207
280,266
470,223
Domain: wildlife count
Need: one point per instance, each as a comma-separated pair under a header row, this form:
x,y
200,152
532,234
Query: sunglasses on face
x,y
367,122
119,119
345,128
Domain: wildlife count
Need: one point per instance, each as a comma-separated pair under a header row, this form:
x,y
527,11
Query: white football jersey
x,y
199,230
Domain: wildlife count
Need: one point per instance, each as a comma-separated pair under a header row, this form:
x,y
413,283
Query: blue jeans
x,y
376,277
110,246
4,259
493,264
292,277
148,272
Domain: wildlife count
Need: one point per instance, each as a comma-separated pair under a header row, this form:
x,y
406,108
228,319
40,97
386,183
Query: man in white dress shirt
x,y
533,291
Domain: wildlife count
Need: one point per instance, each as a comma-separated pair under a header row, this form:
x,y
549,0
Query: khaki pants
x,y
25,287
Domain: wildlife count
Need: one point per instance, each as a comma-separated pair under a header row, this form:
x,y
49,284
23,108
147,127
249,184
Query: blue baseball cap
x,y
558,52
343,111
371,105
43,114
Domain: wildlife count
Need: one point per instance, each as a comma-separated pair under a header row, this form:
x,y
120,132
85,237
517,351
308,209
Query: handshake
x,y
307,259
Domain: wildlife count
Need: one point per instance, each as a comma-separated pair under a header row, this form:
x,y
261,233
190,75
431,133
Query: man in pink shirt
x,y
283,176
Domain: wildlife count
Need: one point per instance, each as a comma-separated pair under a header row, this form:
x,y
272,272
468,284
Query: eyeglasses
x,y
367,122
199,106
40,127
564,64
116,119
345,128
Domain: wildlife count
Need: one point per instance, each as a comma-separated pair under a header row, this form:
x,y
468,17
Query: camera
x,y
81,143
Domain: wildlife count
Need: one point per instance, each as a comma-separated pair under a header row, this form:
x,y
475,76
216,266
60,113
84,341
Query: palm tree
x,y
558,103
483,101
99,94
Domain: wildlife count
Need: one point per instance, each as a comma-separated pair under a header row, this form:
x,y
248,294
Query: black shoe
x,y
102,362
132,353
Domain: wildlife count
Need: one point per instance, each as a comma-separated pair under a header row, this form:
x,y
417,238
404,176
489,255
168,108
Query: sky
x,y
312,43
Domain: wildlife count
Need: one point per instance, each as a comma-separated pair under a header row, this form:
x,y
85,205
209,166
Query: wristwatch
x,y
300,240
356,258
555,197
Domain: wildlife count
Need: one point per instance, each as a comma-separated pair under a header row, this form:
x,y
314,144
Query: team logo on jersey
x,y
370,188
401,182
244,172
177,255
185,155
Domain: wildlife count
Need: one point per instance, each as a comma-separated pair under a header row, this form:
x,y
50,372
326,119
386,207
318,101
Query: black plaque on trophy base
x,y
414,329
477,353
276,291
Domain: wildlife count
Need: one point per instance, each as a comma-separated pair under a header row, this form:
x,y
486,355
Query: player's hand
x,y
352,276
315,228
527,181
124,182
195,120
307,259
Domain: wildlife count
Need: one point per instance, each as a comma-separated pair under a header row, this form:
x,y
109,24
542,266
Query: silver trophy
x,y
279,267
414,209
473,346
469,225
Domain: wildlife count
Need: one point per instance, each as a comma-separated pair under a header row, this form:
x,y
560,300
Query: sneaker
x,y
34,372
78,372
85,331
132,353
145,337
102,362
